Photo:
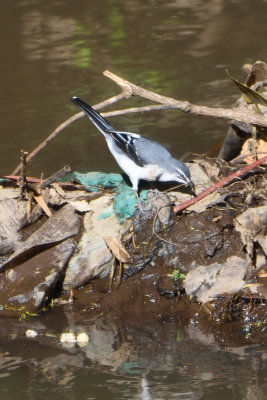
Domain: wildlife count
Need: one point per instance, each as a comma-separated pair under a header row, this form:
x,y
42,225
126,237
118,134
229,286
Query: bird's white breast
x,y
149,172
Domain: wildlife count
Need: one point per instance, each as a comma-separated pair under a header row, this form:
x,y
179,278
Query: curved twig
x,y
235,113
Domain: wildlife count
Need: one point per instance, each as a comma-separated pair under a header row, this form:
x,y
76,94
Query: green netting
x,y
124,201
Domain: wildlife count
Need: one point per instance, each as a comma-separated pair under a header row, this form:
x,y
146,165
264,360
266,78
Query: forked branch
x,y
234,113
129,89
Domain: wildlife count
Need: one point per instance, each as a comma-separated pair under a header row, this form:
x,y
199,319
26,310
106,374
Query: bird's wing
x,y
126,142
151,152
141,150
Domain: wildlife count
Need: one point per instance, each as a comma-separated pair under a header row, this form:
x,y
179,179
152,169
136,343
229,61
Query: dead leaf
x,y
40,200
59,189
13,215
117,249
262,275
216,219
62,225
209,282
6,194
258,289
208,201
246,154
81,205
252,225
210,168
251,96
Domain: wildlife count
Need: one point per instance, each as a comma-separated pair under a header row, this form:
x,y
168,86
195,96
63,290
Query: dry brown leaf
x,y
59,189
252,225
117,249
261,148
81,205
40,200
262,275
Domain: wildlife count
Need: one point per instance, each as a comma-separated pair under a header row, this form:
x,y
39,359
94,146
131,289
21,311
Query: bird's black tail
x,y
100,122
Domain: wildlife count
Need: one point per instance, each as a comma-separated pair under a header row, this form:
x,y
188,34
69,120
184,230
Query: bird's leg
x,y
138,200
135,189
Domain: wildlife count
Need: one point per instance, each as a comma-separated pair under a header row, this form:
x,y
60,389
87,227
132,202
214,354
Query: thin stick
x,y
235,113
132,110
55,177
241,172
129,89
22,178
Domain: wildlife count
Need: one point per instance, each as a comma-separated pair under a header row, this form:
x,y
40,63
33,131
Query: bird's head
x,y
181,174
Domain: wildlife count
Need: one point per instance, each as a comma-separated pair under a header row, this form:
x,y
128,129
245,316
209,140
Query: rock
x,y
26,288
209,282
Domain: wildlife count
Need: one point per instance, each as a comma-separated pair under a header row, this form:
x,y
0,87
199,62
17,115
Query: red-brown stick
x,y
219,184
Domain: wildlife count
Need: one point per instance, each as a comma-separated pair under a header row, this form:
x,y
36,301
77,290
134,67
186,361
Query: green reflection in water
x,y
115,22
83,54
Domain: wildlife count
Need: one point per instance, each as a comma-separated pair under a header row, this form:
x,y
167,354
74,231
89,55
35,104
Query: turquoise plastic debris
x,y
124,200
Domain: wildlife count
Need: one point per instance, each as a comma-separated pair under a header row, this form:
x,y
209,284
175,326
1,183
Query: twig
x,y
67,185
30,179
129,89
22,178
55,177
241,172
132,110
235,113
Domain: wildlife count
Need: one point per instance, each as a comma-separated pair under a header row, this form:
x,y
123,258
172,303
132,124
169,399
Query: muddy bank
x,y
207,263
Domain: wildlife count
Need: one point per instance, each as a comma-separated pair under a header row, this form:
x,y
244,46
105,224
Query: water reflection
x,y
123,361
46,37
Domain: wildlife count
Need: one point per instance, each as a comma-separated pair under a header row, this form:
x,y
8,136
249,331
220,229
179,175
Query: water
x,y
51,51
121,361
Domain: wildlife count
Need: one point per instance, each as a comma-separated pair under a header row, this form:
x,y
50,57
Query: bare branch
x,y
129,89
132,110
235,113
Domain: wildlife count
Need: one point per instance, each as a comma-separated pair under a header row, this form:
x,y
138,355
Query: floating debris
x,y
30,333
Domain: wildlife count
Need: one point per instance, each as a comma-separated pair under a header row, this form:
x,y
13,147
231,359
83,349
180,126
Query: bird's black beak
x,y
191,187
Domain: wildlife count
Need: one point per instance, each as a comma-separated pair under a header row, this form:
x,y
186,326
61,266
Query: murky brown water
x,y
51,51
162,360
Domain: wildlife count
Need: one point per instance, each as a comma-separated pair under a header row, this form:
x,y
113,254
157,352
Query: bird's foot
x,y
142,209
156,192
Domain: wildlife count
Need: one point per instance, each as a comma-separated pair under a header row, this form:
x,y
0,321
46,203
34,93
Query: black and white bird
x,y
138,157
